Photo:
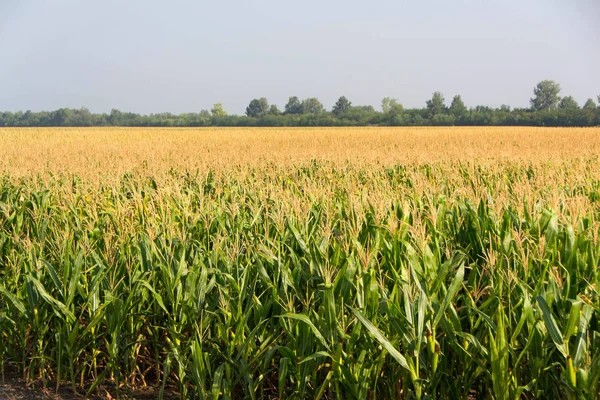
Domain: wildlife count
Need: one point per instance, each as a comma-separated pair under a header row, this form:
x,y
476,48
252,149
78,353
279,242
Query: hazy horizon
x,y
183,56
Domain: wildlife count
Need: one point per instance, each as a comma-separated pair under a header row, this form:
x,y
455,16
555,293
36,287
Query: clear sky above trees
x,y
183,55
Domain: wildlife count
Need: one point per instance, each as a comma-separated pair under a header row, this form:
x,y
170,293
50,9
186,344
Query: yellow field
x,y
113,151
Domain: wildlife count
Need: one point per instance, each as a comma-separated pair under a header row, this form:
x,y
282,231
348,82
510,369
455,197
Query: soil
x,y
15,388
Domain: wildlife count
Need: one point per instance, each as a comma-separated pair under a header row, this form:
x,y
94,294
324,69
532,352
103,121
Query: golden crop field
x,y
302,262
112,151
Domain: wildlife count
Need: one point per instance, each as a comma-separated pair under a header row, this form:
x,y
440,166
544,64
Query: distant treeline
x,y
547,109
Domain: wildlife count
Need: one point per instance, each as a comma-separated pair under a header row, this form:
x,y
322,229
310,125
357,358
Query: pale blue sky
x,y
181,56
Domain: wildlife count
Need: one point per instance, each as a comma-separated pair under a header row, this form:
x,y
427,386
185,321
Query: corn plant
x,y
417,281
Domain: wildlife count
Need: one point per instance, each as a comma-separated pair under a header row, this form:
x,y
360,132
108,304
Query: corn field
x,y
310,271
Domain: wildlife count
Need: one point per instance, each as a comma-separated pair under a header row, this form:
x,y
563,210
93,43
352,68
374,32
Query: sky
x,y
151,56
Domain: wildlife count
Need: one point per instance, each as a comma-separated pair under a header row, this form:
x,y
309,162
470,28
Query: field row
x,y
102,153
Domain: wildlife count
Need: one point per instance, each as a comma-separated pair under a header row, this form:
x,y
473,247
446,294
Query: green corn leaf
x,y
16,302
582,336
550,323
49,299
307,321
375,333
452,290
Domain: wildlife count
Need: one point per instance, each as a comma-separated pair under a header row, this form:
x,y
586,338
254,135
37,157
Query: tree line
x,y
547,108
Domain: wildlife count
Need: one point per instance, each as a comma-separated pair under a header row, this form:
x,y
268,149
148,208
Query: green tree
x,y
436,105
81,117
274,110
60,117
545,96
589,105
341,106
201,119
360,115
457,107
116,117
368,109
385,104
218,110
568,103
28,118
258,108
312,105
293,106
391,106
